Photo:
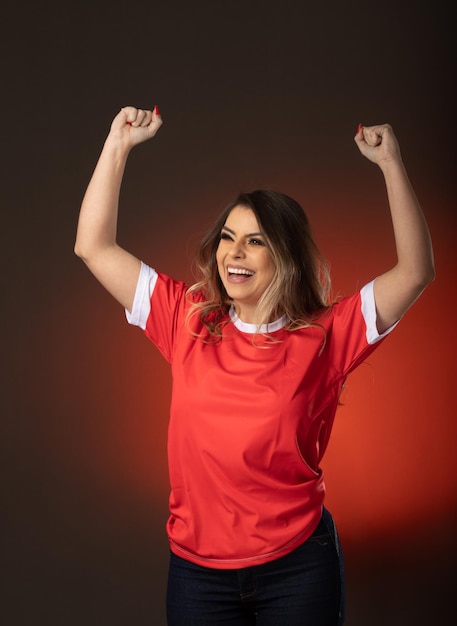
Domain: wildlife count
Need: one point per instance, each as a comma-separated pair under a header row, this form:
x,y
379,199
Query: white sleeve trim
x,y
369,314
142,300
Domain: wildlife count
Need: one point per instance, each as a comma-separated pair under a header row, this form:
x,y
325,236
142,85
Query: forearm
x,y
97,226
412,237
396,289
96,242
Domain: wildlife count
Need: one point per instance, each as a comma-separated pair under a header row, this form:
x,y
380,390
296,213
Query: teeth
x,y
236,270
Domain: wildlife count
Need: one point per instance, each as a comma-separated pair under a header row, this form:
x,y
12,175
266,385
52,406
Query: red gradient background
x,y
252,95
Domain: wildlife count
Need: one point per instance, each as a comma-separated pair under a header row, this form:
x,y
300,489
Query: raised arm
x,y
96,243
397,289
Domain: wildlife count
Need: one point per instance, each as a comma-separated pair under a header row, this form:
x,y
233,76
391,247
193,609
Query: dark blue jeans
x,y
303,588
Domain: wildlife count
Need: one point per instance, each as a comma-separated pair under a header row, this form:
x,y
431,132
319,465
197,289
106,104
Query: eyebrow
x,y
248,234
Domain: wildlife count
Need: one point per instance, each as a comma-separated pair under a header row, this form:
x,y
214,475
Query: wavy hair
x,y
300,288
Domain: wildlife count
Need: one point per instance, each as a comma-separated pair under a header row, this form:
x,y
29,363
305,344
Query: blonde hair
x,y
301,285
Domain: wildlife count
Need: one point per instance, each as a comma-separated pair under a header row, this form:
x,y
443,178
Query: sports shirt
x,y
250,420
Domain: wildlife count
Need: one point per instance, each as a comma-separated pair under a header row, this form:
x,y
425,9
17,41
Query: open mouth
x,y
238,274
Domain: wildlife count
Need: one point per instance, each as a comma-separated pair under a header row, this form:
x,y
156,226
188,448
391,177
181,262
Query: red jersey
x,y
249,422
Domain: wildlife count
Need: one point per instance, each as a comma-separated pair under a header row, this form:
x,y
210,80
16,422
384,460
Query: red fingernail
x,y
359,128
156,110
129,123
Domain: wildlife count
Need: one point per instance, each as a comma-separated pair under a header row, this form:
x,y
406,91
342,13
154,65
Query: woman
x,y
258,358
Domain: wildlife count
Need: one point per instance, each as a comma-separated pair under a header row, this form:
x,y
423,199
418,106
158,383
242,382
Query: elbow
x,y
86,248
429,273
429,270
84,251
422,270
426,277
79,251
432,275
418,278
76,249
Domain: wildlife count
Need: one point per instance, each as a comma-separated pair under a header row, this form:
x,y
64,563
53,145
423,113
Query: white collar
x,y
253,328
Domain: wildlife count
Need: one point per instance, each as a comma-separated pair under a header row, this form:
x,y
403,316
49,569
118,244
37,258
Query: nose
x,y
236,250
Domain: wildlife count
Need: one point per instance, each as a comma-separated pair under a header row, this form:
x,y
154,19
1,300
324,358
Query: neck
x,y
247,314
250,315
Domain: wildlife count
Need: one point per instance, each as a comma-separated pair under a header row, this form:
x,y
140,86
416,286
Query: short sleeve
x,y
369,314
141,308
159,309
353,335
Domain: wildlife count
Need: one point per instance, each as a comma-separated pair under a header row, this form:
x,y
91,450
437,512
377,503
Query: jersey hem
x,y
241,563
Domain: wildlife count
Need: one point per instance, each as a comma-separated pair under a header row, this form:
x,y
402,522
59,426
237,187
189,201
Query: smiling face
x,y
244,262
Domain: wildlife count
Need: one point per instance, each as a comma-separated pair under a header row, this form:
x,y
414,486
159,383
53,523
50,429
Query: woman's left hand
x,y
378,143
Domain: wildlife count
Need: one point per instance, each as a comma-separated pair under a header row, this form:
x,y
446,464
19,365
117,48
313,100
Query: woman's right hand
x,y
132,126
